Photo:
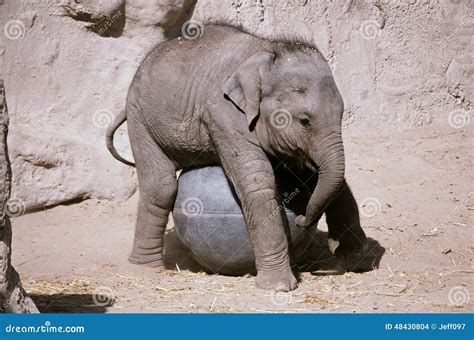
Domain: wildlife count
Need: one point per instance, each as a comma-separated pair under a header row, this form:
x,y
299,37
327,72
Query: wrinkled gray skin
x,y
219,98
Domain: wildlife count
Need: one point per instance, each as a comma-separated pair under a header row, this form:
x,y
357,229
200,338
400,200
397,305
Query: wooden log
x,y
13,297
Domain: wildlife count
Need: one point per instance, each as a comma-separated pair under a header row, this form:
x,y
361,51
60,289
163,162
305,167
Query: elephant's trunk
x,y
330,161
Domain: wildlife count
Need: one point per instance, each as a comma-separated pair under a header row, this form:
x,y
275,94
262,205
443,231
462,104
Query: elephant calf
x,y
244,102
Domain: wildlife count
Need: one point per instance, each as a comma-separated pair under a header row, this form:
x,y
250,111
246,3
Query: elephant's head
x,y
292,103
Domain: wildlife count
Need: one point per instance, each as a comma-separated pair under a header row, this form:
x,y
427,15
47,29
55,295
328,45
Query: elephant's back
x,y
179,79
207,55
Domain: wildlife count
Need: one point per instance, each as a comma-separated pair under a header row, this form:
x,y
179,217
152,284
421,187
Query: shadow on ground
x,y
69,303
318,258
320,261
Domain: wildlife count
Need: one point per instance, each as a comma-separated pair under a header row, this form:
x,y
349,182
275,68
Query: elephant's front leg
x,y
346,238
252,175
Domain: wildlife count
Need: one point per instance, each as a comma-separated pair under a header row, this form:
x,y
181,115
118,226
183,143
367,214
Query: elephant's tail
x,y
119,120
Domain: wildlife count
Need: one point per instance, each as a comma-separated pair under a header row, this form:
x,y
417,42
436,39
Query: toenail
x,y
333,244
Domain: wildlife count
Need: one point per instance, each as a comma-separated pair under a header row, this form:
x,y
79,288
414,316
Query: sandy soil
x,y
416,195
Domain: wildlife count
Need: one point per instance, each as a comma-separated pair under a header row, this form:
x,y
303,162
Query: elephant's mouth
x,y
298,165
299,161
311,165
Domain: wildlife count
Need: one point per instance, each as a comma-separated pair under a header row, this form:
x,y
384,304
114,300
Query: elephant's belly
x,y
193,150
187,159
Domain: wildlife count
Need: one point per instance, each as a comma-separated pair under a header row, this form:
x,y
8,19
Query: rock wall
x,y
68,65
400,64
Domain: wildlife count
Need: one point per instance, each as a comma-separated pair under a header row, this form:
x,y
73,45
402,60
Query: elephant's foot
x,y
150,260
279,280
348,246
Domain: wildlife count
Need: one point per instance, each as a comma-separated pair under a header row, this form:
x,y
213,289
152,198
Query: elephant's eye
x,y
304,121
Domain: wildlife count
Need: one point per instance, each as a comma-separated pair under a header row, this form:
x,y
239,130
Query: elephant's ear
x,y
244,86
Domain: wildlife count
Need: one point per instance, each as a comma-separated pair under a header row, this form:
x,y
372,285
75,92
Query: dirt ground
x,y
416,196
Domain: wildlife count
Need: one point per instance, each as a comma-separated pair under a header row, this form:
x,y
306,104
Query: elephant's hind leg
x,y
158,186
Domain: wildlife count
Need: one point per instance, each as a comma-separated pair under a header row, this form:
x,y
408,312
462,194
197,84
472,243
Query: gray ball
x,y
209,222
